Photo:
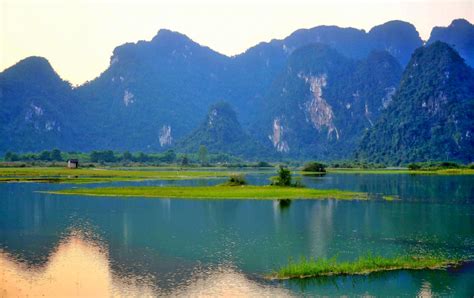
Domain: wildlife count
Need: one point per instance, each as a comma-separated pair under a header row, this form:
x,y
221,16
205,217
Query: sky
x,y
78,36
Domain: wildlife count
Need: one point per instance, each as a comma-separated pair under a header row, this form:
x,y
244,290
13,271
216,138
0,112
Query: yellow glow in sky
x,y
78,36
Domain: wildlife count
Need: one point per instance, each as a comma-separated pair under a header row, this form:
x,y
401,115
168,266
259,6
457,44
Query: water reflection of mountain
x,y
82,266
177,243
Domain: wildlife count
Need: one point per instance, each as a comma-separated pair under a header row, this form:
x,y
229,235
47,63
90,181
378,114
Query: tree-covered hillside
x,y
431,117
37,109
221,132
459,35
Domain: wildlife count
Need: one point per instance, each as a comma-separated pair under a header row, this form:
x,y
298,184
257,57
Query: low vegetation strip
x,y
306,268
64,175
218,192
401,171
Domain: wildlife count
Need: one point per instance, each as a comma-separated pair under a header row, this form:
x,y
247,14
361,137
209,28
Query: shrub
x,y
264,164
283,178
448,165
414,166
236,180
314,167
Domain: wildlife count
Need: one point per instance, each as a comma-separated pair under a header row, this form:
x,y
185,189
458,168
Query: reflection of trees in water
x,y
284,204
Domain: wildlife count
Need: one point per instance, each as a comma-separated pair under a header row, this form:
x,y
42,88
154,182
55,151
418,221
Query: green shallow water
x,y
185,247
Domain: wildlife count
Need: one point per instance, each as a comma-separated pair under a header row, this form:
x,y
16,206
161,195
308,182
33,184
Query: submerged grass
x,y
96,175
217,192
364,265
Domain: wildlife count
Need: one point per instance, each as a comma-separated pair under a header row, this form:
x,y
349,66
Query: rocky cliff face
x,y
324,102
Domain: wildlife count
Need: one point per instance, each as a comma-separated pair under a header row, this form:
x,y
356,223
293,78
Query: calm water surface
x,y
91,246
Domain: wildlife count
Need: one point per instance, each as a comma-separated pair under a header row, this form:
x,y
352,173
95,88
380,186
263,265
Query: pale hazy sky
x,y
78,36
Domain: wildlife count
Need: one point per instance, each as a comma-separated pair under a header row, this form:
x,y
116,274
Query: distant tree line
x,y
201,157
53,155
437,165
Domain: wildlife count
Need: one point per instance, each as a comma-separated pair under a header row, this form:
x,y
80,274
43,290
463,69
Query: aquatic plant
x,y
363,265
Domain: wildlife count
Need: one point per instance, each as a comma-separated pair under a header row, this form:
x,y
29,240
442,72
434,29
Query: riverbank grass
x,y
217,192
96,175
306,268
441,172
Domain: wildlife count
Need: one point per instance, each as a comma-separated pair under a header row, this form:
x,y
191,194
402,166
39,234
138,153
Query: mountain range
x,y
324,93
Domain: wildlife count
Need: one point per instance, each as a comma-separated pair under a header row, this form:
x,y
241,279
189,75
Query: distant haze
x,y
78,36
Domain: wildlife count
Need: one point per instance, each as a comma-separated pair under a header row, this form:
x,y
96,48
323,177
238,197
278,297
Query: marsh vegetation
x,y
363,265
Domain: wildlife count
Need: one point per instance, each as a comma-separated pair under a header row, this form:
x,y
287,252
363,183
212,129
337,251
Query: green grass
x,y
402,171
390,198
217,192
95,175
364,265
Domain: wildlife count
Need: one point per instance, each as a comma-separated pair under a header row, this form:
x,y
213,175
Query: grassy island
x,y
364,265
217,192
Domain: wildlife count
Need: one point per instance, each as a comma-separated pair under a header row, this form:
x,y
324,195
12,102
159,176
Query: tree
x,y
45,155
283,178
94,156
314,167
127,156
185,161
202,154
169,156
142,157
103,156
11,156
56,155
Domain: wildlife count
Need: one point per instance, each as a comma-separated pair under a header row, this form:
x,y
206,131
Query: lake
x,y
73,245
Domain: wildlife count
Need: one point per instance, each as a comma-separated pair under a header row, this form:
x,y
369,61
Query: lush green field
x,y
94,175
218,192
364,265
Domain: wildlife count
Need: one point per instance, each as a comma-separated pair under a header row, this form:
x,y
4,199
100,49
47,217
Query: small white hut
x,y
72,163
